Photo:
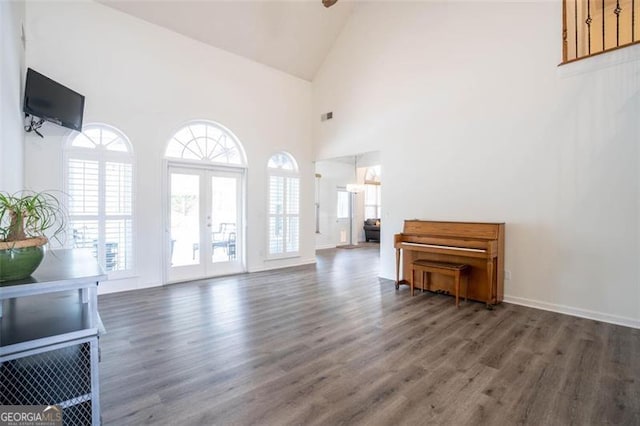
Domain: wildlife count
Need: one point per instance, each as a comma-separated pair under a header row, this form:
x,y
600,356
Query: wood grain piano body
x,y
479,245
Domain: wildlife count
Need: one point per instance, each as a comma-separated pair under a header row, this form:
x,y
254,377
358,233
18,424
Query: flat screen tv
x,y
51,101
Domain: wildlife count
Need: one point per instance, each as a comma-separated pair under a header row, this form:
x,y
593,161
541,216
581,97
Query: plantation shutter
x,y
118,222
293,215
83,178
276,214
83,183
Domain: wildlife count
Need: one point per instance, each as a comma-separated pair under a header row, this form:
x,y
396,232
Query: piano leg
x,y
490,300
457,284
413,280
397,268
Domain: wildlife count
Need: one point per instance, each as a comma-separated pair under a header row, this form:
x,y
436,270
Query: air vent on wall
x,y
326,116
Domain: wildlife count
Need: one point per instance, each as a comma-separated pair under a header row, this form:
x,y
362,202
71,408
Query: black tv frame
x,y
30,109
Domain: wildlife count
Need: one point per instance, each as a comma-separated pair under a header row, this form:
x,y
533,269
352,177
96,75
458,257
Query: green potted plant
x,y
25,217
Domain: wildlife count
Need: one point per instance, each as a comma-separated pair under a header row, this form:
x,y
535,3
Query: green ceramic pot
x,y
19,263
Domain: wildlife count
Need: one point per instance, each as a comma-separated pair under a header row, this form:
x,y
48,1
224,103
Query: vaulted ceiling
x,y
293,36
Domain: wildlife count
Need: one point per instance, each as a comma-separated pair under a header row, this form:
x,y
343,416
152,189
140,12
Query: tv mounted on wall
x,y
51,101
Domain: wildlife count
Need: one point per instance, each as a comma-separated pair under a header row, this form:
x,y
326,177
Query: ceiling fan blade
x,y
329,3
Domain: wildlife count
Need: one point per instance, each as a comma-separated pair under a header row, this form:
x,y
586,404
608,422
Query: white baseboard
x,y
576,312
126,284
281,266
325,246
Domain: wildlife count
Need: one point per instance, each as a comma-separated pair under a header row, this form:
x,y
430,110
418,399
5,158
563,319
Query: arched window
x,y
207,142
284,206
99,186
372,203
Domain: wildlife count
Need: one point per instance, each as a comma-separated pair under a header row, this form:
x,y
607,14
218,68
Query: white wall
x,y
148,82
475,122
11,93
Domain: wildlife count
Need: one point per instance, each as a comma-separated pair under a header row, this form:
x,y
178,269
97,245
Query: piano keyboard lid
x,y
445,247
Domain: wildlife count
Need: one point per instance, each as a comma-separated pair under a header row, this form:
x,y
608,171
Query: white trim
x,y
576,312
282,256
326,246
303,262
197,164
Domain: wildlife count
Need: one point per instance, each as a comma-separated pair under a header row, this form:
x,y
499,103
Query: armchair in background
x,y
372,229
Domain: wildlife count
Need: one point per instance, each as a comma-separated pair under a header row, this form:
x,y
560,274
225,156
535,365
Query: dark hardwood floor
x,y
333,344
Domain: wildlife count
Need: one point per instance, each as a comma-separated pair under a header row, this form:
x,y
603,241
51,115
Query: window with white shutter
x,y
99,186
284,206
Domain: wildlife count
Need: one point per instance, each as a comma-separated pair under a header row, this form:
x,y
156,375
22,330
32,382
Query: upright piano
x,y
479,245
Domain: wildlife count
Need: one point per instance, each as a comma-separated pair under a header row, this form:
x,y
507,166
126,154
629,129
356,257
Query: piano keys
x,y
479,245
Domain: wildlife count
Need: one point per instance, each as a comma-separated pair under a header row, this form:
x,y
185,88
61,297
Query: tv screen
x,y
52,101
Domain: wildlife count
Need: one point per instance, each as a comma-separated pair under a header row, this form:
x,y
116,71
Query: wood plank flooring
x,y
333,344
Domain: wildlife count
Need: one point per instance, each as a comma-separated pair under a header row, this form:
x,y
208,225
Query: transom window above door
x,y
207,142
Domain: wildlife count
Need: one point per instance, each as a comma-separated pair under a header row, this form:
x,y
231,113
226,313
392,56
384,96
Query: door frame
x,y
166,209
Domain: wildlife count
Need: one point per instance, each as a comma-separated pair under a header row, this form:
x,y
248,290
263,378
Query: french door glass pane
x,y
223,218
185,219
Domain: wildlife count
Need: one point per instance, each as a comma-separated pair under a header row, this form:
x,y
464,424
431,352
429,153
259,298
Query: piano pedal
x,y
489,307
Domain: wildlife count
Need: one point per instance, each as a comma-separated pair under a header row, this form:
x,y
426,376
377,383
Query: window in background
x,y
343,204
372,202
284,206
99,186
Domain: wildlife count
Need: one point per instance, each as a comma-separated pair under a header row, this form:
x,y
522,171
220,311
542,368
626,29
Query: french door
x,y
205,229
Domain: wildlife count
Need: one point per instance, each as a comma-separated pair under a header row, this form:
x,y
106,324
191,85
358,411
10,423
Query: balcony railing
x,y
594,26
